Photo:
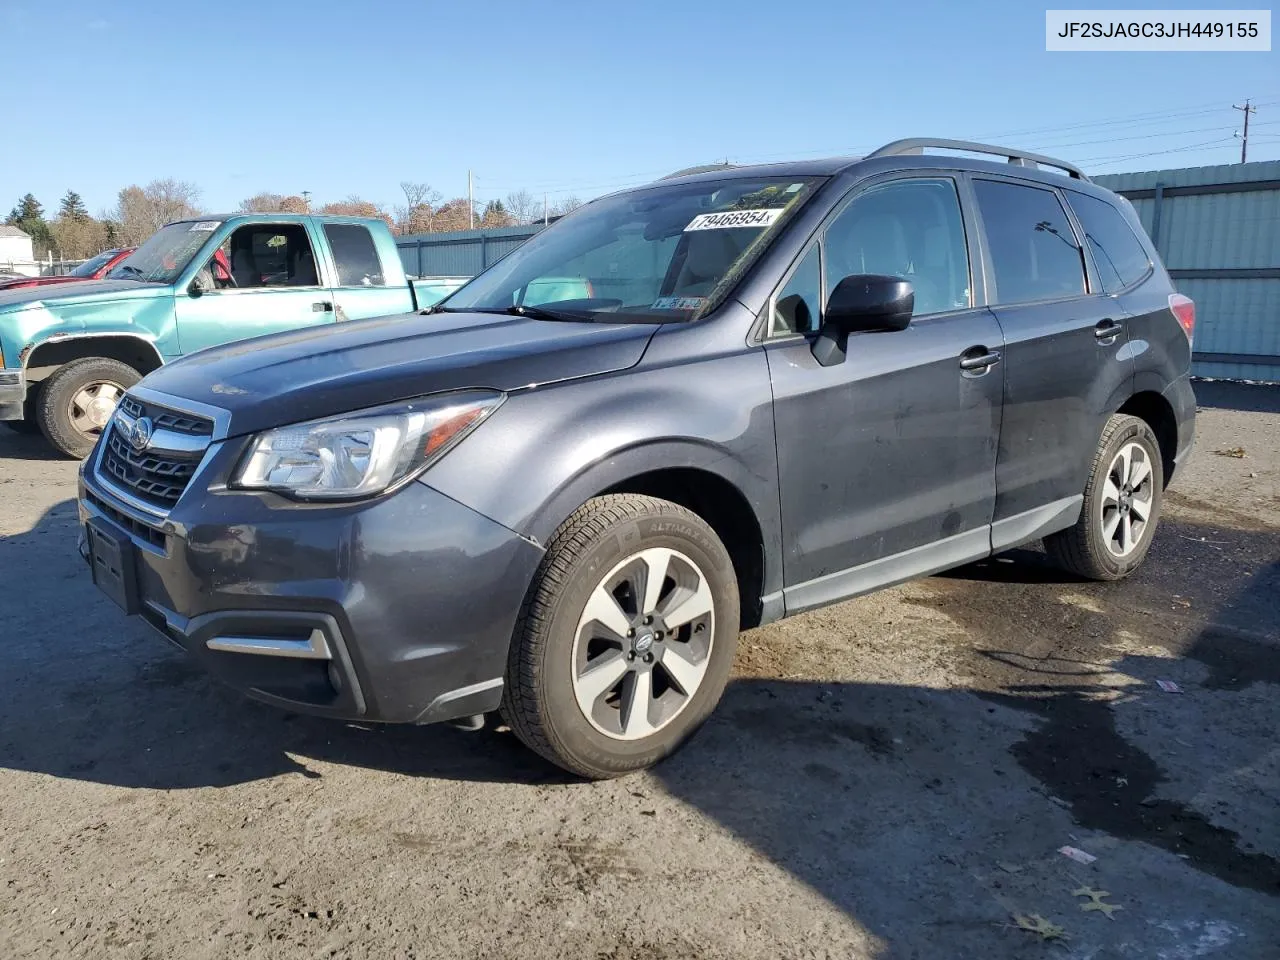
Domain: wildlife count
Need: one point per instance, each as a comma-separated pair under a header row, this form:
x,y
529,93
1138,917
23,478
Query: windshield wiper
x,y
124,267
542,313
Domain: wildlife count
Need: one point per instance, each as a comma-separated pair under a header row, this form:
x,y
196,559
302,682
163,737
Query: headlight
x,y
365,453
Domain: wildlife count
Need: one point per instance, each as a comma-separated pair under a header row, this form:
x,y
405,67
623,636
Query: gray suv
x,y
683,410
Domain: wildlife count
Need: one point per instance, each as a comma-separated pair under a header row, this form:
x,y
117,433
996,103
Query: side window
x,y
1033,249
263,255
355,255
1117,252
910,229
798,304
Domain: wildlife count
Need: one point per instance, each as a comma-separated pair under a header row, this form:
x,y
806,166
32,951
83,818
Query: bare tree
x,y
567,205
354,206
77,238
273,203
522,207
141,211
418,212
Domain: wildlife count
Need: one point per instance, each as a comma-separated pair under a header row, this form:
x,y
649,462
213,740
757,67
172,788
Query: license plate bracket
x,y
114,565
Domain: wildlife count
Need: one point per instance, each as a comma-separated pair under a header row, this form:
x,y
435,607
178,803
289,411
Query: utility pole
x,y
471,203
1244,138
545,210
306,199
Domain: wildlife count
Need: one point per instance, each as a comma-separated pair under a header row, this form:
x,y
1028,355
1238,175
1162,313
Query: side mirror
x,y
201,284
862,303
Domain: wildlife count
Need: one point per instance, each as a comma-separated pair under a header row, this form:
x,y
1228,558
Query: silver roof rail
x,y
1020,158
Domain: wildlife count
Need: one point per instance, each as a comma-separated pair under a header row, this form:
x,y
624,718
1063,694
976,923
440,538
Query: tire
x,y
1117,494
54,410
29,424
617,540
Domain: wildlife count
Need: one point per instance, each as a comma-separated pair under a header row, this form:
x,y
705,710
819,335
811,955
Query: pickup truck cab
x,y
68,353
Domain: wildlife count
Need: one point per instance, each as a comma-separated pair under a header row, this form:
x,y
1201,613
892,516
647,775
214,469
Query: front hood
x,y
321,371
81,292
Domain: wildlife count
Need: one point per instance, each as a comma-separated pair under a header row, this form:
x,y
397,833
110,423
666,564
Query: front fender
x,y
148,319
548,450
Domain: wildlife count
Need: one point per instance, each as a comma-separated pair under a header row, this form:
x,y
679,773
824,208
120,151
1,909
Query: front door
x,y
1067,363
886,460
263,278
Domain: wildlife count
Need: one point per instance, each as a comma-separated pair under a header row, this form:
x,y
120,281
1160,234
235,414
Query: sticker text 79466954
x,y
734,218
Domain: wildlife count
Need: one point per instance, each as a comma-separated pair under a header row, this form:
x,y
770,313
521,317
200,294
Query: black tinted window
x,y
1117,252
910,229
355,255
1033,250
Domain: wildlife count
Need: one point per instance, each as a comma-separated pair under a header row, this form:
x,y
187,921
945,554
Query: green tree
x,y
72,207
27,210
28,216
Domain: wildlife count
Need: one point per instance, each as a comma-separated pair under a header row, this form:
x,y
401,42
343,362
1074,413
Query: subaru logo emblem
x,y
140,433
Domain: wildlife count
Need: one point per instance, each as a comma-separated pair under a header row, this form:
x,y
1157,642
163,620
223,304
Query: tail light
x,y
1184,308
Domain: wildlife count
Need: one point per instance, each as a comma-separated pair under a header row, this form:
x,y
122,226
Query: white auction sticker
x,y
734,218
204,226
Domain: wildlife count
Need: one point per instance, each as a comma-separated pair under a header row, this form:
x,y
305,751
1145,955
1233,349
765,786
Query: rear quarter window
x,y
354,255
1118,254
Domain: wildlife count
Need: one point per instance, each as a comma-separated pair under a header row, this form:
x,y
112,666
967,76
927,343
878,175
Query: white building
x,y
16,255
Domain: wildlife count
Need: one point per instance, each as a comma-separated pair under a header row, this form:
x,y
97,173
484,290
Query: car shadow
x,y
927,814
27,446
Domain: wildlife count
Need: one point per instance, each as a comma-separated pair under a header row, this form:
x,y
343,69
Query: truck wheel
x,y
1121,505
29,424
626,637
78,400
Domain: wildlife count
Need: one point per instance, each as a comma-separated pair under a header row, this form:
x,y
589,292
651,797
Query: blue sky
x,y
351,98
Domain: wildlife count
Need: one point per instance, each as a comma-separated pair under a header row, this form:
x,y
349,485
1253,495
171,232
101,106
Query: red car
x,y
92,269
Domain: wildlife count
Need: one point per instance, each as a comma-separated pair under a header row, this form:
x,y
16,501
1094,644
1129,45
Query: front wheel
x,y
1121,505
626,639
77,401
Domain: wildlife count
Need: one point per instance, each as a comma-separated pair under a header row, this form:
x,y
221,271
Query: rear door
x,y
886,460
362,285
275,283
1067,360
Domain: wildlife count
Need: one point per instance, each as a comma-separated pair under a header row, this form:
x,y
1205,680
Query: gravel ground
x,y
890,777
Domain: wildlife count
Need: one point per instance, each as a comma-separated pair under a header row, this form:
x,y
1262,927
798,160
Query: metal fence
x,y
463,253
1218,232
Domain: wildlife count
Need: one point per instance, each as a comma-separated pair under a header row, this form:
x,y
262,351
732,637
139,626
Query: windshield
x,y
660,254
169,250
90,267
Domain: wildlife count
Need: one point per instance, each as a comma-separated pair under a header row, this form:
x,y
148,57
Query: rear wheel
x,y
626,639
1121,505
78,400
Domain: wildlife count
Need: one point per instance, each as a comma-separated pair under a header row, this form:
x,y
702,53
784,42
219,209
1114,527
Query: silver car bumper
x,y
13,391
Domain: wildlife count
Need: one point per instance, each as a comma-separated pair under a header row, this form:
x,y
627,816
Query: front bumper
x,y
398,610
13,391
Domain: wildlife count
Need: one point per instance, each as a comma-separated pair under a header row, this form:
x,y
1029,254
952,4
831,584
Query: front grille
x,y
8,379
167,419
155,476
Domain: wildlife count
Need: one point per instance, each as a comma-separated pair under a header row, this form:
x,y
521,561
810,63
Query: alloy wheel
x,y
643,643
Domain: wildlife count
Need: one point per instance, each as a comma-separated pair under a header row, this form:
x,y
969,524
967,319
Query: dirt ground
x,y
891,777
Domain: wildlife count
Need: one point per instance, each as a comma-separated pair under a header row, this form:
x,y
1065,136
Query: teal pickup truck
x,y
68,353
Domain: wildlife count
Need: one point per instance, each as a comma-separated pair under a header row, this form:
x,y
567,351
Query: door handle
x,y
322,307
978,360
1107,330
